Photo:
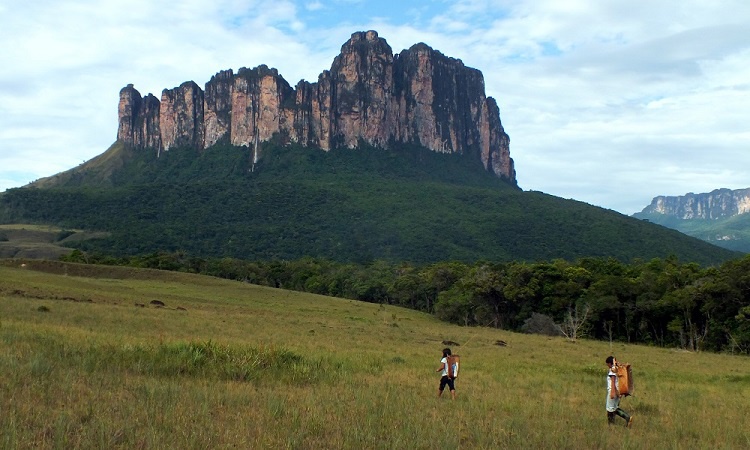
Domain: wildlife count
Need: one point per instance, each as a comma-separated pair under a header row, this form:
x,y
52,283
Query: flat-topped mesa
x,y
717,204
369,95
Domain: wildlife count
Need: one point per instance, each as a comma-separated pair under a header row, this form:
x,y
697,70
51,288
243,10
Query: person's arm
x,y
613,387
442,366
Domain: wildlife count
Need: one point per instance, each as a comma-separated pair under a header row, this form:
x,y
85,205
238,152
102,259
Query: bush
x,y
541,324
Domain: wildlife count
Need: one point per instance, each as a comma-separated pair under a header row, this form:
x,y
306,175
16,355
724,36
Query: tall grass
x,y
230,365
178,359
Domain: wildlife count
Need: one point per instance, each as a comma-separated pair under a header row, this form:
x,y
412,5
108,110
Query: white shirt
x,y
609,383
445,366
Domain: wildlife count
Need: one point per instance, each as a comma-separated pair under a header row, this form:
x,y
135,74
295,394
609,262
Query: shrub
x,y
540,324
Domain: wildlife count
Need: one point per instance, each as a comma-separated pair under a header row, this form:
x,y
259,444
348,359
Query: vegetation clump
x,y
209,360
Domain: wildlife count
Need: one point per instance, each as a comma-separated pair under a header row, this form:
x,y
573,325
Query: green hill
x,y
43,242
359,205
732,233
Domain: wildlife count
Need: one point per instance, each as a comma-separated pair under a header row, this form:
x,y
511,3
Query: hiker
x,y
445,379
613,396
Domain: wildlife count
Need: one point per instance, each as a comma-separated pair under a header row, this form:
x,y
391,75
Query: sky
x,y
607,102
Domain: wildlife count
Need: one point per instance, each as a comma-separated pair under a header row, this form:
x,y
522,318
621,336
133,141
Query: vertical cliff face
x,y
494,142
127,111
139,119
716,204
181,116
418,96
443,107
362,78
217,109
256,101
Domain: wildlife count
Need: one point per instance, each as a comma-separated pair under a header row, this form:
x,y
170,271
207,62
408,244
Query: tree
x,y
574,324
485,283
455,305
441,277
410,290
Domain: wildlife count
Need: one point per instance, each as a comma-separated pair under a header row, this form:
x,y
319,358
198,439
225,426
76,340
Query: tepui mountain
x,y
400,157
369,95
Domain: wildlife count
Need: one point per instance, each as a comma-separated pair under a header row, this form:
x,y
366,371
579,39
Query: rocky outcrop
x,y
362,80
256,102
139,119
716,204
181,116
418,96
217,108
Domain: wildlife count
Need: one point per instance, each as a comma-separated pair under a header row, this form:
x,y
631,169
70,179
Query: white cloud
x,y
314,6
611,103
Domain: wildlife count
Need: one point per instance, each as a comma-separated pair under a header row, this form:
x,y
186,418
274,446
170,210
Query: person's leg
x,y
452,387
612,405
628,419
443,382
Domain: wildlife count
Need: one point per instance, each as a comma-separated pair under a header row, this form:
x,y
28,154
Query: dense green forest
x,y
659,302
349,205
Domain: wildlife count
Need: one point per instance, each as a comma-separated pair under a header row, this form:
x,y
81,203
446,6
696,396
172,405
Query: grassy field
x,y
107,357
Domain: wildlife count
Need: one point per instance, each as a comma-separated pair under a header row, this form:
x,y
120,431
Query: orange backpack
x,y
624,378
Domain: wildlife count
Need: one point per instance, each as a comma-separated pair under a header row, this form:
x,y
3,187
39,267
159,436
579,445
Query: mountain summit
x,y
369,95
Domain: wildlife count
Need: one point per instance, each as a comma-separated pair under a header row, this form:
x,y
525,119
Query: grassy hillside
x,y
40,241
88,361
99,171
358,205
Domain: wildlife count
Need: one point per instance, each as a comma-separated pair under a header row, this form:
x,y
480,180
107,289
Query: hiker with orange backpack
x,y
614,394
449,369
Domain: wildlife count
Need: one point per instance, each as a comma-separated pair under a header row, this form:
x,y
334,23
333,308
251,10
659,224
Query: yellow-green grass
x,y
230,365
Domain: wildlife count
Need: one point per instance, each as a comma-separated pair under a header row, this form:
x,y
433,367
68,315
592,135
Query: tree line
x,y
659,302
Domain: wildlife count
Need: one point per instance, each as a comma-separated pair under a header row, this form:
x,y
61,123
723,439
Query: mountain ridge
x,y
418,96
718,217
719,203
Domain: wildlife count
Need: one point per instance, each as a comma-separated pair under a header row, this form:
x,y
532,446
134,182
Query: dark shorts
x,y
449,381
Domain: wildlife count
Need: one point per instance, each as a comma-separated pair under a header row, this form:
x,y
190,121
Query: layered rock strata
x,y
370,95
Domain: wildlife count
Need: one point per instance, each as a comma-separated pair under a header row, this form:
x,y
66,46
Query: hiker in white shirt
x,y
445,379
613,396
